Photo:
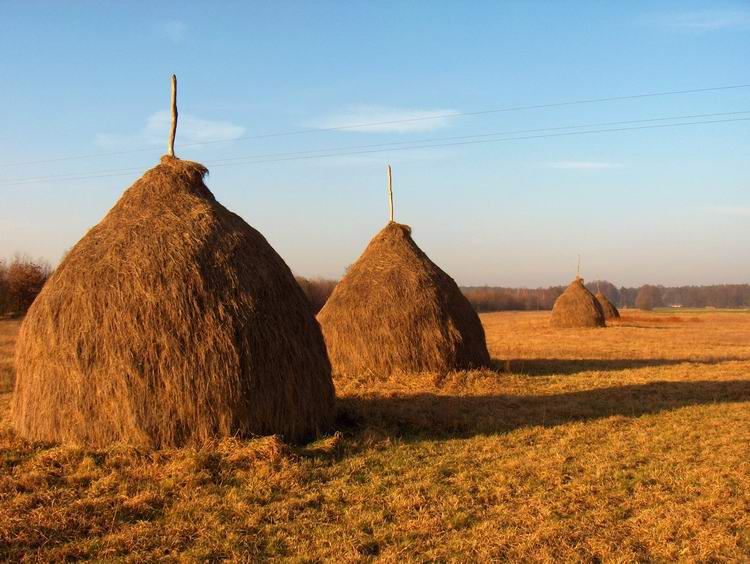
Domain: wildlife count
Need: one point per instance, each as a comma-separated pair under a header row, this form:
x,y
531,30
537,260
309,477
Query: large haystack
x,y
171,321
577,307
396,311
608,308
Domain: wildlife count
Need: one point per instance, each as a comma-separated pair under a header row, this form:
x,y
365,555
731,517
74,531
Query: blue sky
x,y
668,205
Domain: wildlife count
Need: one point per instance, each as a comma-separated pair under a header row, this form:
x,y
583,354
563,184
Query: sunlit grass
x,y
618,444
691,310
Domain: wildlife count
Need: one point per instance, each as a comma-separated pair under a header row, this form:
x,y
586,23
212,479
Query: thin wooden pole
x,y
578,270
173,130
390,192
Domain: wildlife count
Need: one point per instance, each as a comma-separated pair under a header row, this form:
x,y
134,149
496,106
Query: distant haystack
x,y
171,321
395,310
608,308
577,307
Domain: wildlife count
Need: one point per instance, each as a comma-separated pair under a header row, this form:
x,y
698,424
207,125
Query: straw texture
x,y
608,308
396,311
577,307
171,321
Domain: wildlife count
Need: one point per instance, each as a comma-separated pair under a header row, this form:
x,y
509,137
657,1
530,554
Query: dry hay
x,y
577,307
608,308
396,311
171,321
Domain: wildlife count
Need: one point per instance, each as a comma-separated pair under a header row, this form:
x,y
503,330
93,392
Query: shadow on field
x,y
427,415
557,366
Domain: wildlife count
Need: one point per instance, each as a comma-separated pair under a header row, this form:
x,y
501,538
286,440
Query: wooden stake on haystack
x,y
578,270
173,130
390,192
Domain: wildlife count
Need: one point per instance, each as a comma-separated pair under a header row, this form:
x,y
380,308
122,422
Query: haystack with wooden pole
x,y
608,308
171,321
576,306
396,311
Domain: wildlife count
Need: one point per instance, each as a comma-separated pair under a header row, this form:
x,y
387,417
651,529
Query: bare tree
x,y
23,280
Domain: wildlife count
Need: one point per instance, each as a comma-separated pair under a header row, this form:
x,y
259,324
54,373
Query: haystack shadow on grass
x,y
425,416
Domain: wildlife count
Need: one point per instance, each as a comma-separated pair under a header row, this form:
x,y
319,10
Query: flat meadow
x,y
630,443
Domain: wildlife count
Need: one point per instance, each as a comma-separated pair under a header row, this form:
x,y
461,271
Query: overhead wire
x,y
396,143
417,144
393,122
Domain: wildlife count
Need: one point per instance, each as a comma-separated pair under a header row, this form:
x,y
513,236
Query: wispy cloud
x,y
707,20
380,159
730,210
174,30
384,119
190,129
581,165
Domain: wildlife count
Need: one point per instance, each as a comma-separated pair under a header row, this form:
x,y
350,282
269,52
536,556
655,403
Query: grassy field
x,y
619,444
686,310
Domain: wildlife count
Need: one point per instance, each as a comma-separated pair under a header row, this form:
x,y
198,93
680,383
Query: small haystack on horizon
x,y
577,307
397,311
172,321
608,308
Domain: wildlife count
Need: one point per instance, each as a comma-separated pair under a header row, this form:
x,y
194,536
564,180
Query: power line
x,y
295,156
398,121
484,135
376,145
389,144
489,141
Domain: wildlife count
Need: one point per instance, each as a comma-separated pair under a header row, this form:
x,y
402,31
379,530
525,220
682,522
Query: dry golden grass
x,y
630,443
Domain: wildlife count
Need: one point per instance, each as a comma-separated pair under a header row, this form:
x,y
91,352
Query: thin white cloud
x,y
379,159
708,20
581,165
384,119
174,30
190,129
730,210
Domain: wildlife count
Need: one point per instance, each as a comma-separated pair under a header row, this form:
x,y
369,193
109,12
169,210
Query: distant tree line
x,y
21,279
497,298
647,297
317,290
